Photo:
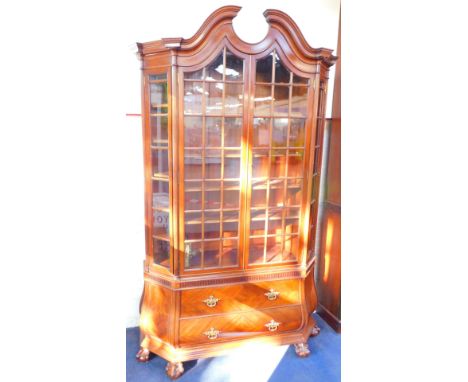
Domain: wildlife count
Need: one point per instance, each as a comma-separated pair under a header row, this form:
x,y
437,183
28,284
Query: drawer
x,y
240,297
239,325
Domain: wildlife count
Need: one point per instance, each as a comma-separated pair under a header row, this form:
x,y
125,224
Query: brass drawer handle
x,y
272,294
212,334
272,325
211,301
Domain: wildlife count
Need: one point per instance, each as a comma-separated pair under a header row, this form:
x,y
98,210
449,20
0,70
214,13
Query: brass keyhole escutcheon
x,y
272,294
212,334
211,301
272,325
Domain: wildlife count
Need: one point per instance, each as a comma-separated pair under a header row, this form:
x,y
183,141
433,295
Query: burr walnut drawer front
x,y
240,297
239,325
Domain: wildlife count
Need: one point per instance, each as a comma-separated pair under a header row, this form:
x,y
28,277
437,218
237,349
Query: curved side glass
x,y
160,168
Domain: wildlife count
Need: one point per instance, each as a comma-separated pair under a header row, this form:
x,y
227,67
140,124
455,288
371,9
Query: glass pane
x,y
291,225
214,98
293,194
192,255
211,253
293,212
296,133
193,226
261,132
282,75
212,216
257,222
193,218
160,194
234,67
260,164
258,196
161,223
300,80
192,164
158,96
276,198
230,230
279,133
275,213
299,101
212,199
213,132
278,164
263,100
160,162
193,131
211,185
274,246
229,253
281,101
265,69
193,200
257,227
197,75
193,96
212,167
291,248
256,249
159,133
214,71
234,99
231,167
275,226
232,132
211,230
156,77
231,199
230,216
161,252
295,165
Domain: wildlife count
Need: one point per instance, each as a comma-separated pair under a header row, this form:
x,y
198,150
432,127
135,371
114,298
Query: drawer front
x,y
240,297
236,326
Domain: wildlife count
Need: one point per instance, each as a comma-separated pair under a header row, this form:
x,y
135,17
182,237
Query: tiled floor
x,y
254,364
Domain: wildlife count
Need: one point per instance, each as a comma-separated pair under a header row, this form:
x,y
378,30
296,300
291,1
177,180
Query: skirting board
x,y
330,318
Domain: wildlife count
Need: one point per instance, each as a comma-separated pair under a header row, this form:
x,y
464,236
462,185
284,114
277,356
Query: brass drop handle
x,y
211,301
212,334
272,294
272,325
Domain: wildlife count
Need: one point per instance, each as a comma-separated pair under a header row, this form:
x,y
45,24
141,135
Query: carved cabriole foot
x,y
302,349
174,369
315,331
143,355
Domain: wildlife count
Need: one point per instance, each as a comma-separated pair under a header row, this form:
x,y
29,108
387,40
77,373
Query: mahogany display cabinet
x,y
232,147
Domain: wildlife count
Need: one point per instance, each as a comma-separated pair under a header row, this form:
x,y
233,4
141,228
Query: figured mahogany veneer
x,y
238,325
232,149
241,297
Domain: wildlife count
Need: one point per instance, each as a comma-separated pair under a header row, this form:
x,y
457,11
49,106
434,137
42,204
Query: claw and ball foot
x,y
143,355
315,331
302,350
174,369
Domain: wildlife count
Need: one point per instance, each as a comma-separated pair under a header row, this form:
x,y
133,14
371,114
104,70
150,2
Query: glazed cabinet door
x,y
245,157
212,150
277,163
